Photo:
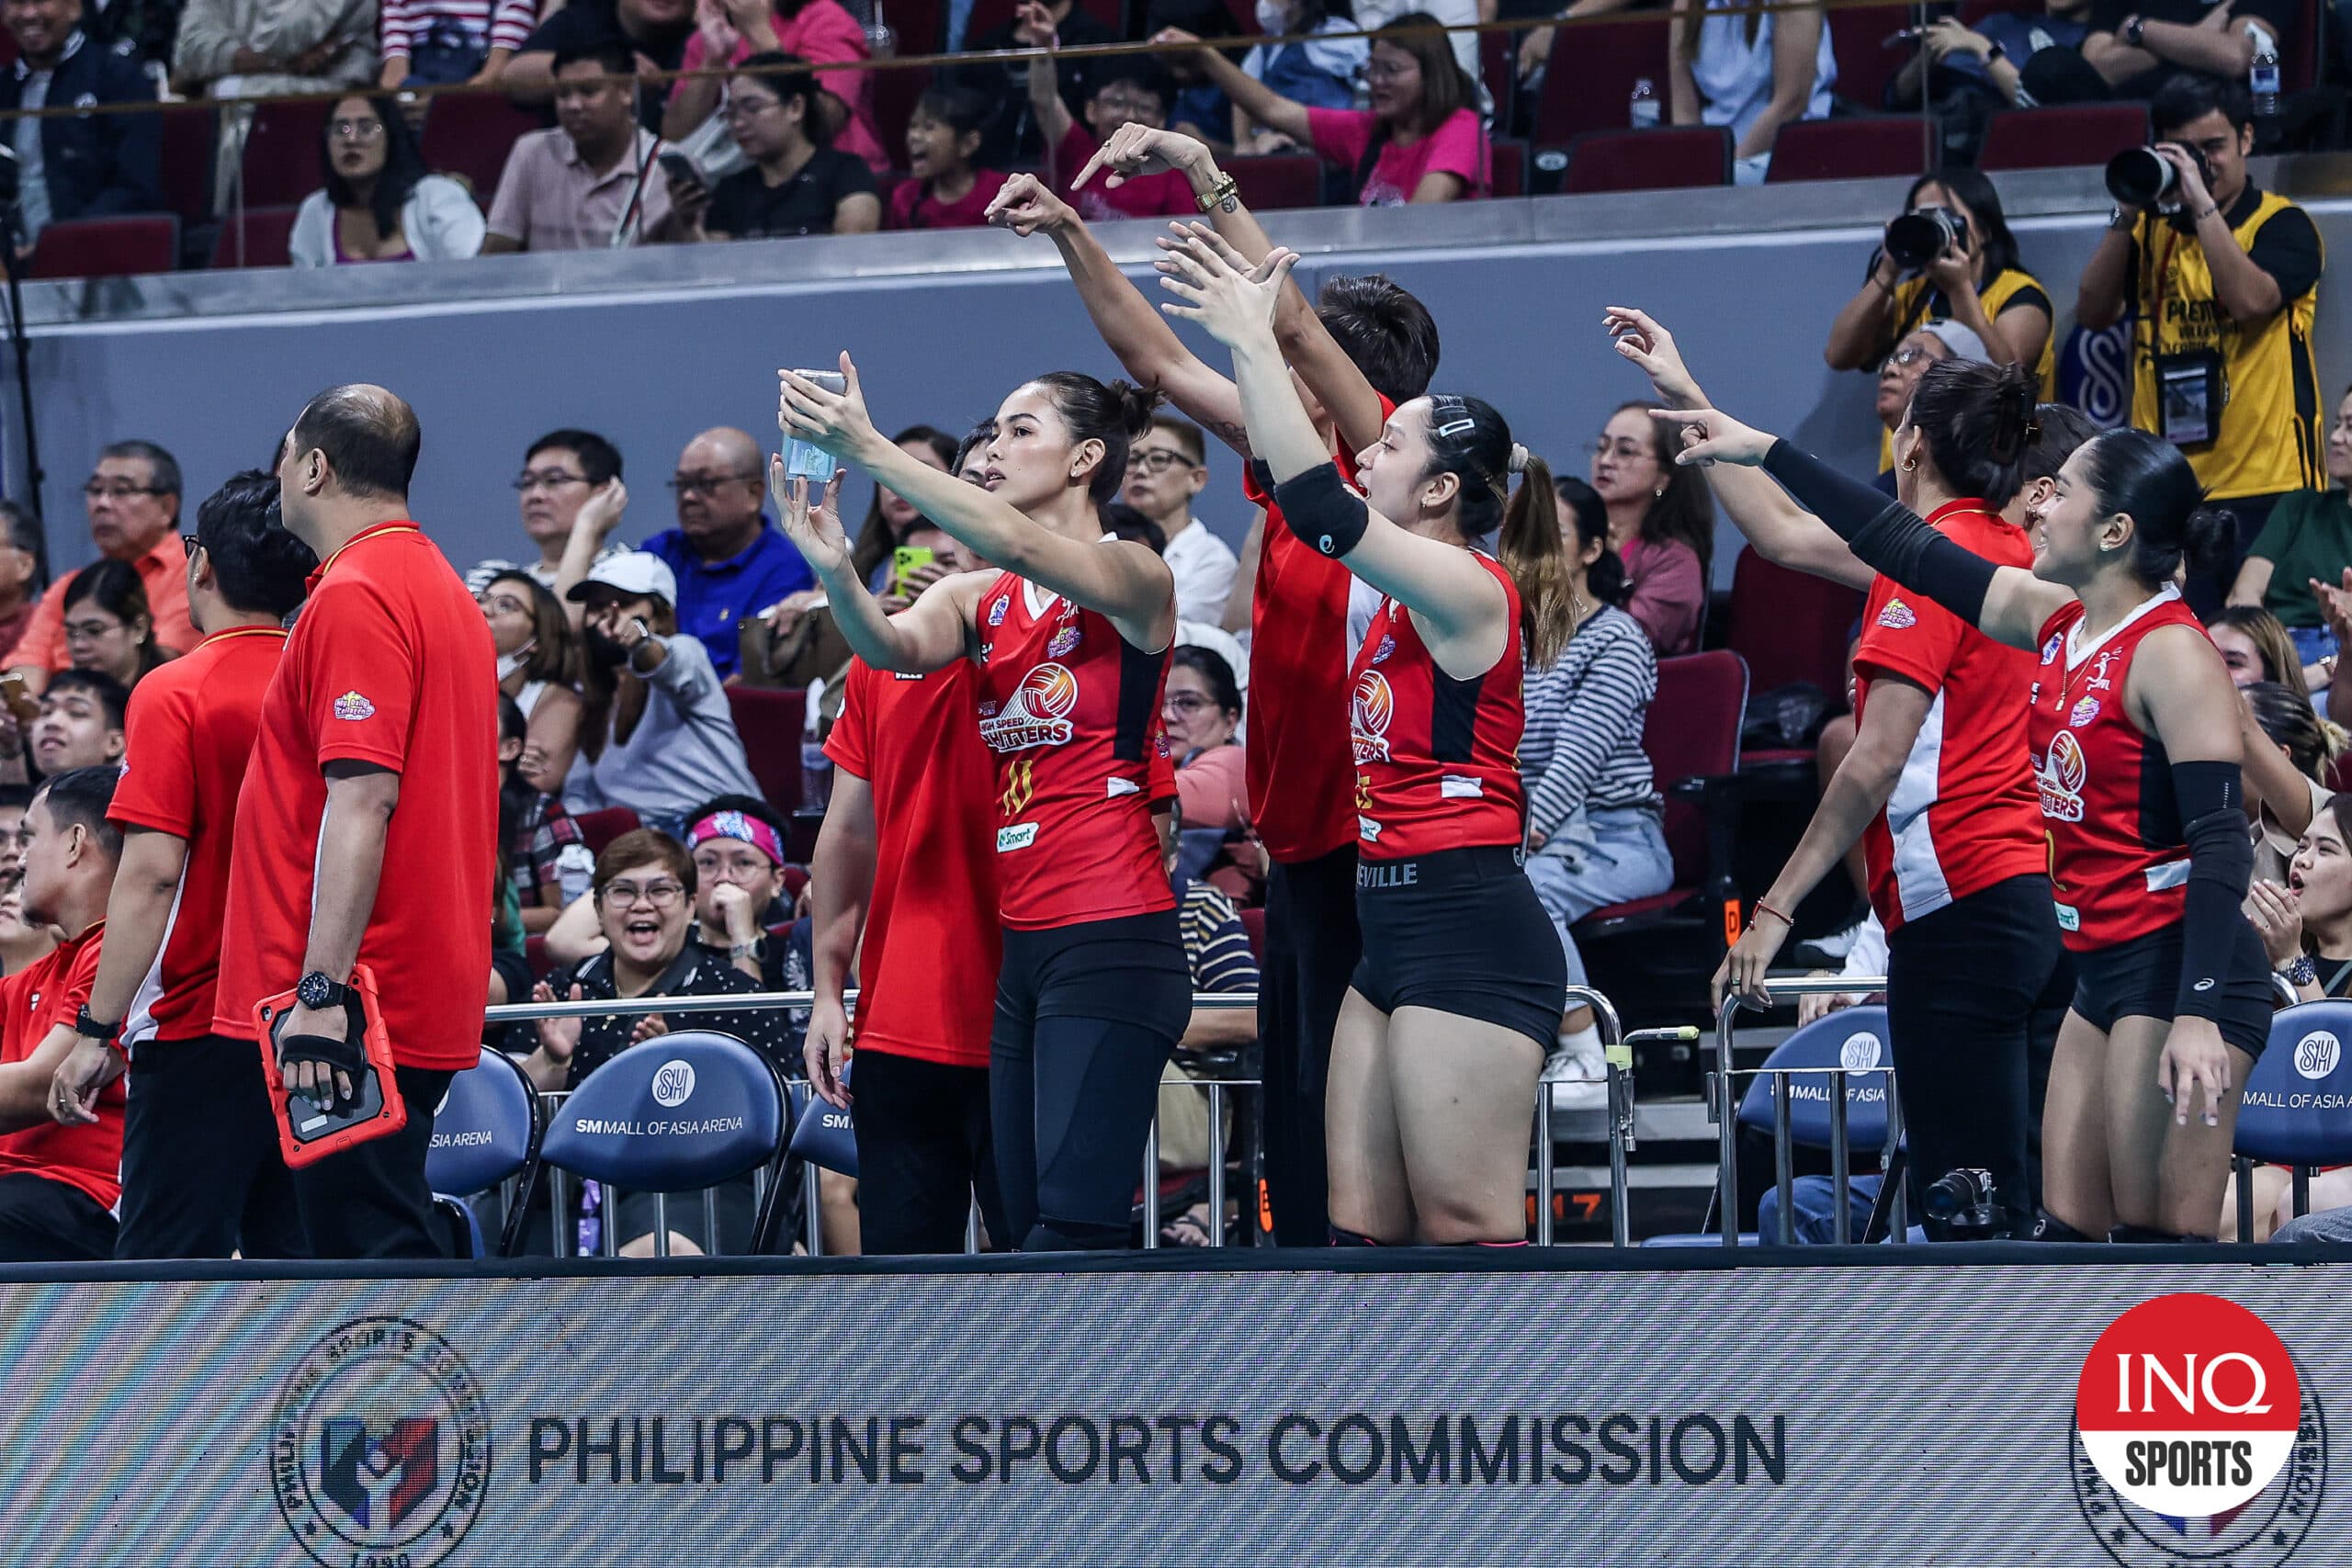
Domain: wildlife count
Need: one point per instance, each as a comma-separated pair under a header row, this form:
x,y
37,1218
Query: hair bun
x,y
1137,406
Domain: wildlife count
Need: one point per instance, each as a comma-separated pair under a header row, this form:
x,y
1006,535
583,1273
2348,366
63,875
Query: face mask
x,y
509,662
1273,17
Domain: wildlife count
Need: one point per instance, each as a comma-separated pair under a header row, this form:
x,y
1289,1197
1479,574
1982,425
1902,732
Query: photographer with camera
x,y
2221,278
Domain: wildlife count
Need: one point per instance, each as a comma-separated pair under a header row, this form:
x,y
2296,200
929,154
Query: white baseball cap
x,y
636,573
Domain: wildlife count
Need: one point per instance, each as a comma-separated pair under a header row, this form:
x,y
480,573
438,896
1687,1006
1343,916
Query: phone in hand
x,y
19,697
806,460
905,562
681,169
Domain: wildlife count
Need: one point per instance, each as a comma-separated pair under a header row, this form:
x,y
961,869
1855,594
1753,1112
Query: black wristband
x,y
2220,862
90,1028
1886,535
1319,507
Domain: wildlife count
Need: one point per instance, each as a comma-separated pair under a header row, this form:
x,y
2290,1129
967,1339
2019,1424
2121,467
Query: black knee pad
x,y
2144,1235
1343,1238
2052,1228
1073,1235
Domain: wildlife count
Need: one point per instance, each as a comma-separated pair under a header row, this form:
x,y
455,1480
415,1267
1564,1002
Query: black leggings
x,y
924,1152
1086,1017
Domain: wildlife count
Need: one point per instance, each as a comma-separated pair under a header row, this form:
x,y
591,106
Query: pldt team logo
x,y
380,1446
2196,1439
2060,777
1038,714
1369,711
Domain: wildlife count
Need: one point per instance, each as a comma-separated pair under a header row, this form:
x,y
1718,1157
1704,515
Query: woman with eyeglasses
x,y
734,32
108,629
538,667
1202,709
379,204
798,182
1661,525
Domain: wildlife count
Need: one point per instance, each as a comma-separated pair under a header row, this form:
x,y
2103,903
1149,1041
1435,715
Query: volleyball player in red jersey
x,y
2135,732
1361,348
1071,638
1443,1030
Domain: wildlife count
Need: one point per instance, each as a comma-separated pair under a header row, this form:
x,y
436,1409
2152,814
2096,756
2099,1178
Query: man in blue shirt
x,y
730,564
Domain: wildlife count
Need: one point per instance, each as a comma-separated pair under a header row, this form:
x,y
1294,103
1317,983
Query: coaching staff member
x,y
2224,290
201,1175
377,747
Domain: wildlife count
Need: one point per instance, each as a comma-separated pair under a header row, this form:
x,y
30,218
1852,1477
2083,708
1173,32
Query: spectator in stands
x,y
14,800
656,733
539,668
2307,541
727,560
948,190
379,203
1752,72
22,943
547,861
890,516
644,891
141,30
1460,17
1009,133
2288,750
1977,282
1992,64
1201,109
1200,708
2310,919
1594,831
1217,952
651,36
107,627
80,726
562,474
2137,48
19,571
2223,293
1419,141
1320,72
427,43
797,184
76,166
58,1184
737,841
1930,342
821,32
2257,648
1132,89
132,497
1167,470
1661,525
256,49
590,183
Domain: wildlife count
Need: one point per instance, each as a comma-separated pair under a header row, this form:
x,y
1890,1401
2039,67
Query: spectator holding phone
x,y
798,182
79,726
732,33
890,517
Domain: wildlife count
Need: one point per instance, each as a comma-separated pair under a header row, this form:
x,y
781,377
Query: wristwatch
x,y
2132,29
2121,217
318,993
90,1028
2301,971
1993,52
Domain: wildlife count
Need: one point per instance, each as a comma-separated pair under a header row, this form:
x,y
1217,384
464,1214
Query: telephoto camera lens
x,y
1962,1196
1921,236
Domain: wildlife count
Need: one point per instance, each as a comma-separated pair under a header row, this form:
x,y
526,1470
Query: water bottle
x,y
880,41
806,460
1644,106
2262,76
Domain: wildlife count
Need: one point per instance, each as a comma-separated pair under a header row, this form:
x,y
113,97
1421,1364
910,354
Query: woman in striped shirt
x,y
1593,833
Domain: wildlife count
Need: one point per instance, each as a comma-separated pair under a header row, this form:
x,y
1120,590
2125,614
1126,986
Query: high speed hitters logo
x,y
2196,1438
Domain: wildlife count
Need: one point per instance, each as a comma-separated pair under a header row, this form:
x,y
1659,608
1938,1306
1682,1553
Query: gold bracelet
x,y
1218,194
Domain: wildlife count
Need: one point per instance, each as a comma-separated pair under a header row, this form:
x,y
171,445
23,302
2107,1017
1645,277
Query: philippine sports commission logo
x,y
1038,714
380,1446
2196,1438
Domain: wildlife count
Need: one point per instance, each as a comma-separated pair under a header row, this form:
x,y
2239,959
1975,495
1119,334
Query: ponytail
x,y
1532,550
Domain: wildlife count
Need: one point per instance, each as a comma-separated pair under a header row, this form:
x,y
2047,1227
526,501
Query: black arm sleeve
x,y
1886,535
1319,507
2220,862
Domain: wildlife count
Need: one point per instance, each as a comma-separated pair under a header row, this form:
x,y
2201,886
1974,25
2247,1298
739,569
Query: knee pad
x,y
2146,1235
2052,1228
1073,1235
1341,1236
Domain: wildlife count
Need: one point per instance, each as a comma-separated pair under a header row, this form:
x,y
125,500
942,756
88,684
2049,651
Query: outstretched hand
x,y
1650,348
1237,307
815,531
1710,437
835,422
1024,204
1136,149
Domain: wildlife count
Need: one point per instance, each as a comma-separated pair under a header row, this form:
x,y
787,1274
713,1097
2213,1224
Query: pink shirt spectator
x,y
504,24
1211,789
1164,195
1670,593
548,199
913,206
1457,147
824,34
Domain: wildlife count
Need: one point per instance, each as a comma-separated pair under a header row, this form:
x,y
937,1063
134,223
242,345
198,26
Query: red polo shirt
x,y
389,663
34,1001
162,572
190,735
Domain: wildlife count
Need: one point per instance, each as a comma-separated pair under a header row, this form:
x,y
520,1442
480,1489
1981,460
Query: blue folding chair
x,y
1854,1038
486,1131
677,1114
824,1135
2297,1108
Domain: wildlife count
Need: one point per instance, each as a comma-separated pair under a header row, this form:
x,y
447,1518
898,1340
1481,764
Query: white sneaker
x,y
1837,944
1575,1073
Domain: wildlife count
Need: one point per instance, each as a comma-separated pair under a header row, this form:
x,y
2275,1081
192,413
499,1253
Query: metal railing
x,y
1724,1103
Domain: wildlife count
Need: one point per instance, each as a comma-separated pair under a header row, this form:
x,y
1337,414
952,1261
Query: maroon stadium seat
x,y
1857,38
535,954
1649,160
264,236
1283,180
598,829
1592,73
470,134
770,723
191,147
1791,626
1509,167
2064,137
107,247
1253,925
282,162
1850,149
1498,70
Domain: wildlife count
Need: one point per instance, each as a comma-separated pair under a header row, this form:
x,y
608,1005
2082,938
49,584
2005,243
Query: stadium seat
x,y
1253,925
823,1135
1592,73
470,134
598,829
281,162
1865,64
535,954
107,247
771,724
697,1079
1851,149
2064,137
2292,1111
486,1131
1790,625
1678,158
1498,70
1282,181
191,139
260,240
1510,177
1855,1037
2339,774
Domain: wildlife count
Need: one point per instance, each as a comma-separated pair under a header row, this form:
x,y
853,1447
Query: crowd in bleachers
x,y
501,124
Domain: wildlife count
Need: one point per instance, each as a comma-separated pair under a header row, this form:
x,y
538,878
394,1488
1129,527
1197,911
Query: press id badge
x,y
2190,393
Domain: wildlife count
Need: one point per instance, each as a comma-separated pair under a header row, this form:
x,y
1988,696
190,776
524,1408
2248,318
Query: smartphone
x,y
681,168
20,699
803,459
907,559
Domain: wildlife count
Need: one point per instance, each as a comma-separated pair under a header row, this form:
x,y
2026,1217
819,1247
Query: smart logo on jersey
x,y
1038,714
1370,708
2061,777
2196,1439
1897,616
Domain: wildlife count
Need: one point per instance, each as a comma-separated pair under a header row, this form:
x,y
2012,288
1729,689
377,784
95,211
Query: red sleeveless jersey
x,y
1437,759
2118,861
1071,711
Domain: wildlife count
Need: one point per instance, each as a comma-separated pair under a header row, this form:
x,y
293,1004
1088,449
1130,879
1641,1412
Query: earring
x,y
1910,465
1658,494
